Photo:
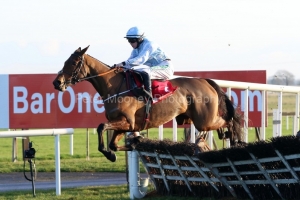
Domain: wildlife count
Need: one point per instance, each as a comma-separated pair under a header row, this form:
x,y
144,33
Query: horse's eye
x,y
74,63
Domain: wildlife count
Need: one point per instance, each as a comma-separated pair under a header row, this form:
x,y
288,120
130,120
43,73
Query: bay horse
x,y
196,100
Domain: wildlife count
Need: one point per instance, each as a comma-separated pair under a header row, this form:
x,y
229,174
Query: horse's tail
x,y
227,110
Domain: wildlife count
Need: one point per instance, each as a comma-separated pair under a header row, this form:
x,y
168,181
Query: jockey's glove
x,y
119,64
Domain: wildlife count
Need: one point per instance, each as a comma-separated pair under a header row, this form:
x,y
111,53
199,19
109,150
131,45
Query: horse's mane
x,y
99,61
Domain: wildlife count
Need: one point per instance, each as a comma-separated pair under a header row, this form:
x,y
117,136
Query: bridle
x,y
74,76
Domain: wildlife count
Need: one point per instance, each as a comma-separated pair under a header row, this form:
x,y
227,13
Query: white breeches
x,y
164,70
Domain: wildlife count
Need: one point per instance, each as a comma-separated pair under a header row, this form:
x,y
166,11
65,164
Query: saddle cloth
x,y
161,89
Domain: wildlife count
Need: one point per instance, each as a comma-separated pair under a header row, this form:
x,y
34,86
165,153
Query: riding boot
x,y
147,85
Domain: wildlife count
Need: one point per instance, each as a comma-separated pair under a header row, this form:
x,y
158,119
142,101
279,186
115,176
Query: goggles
x,y
132,40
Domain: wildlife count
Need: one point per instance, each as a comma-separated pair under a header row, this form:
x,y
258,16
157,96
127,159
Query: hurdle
x,y
45,132
242,172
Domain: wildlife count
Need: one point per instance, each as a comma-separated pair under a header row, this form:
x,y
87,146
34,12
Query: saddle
x,y
161,88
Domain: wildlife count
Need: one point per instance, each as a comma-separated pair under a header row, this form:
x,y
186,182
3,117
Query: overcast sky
x,y
38,36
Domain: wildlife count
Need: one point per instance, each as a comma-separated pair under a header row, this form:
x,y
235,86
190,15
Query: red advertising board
x,y
34,102
30,100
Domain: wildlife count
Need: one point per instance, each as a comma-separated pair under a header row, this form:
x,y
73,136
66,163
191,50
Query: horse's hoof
x,y
241,143
138,139
221,136
129,147
227,134
110,155
132,142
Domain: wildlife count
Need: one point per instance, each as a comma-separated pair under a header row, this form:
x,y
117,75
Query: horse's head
x,y
72,71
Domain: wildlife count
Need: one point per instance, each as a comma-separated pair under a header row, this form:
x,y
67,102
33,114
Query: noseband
x,y
74,76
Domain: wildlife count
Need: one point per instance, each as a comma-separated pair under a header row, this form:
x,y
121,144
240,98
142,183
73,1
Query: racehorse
x,y
196,100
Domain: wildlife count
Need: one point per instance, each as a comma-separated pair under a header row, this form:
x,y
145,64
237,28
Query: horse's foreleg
x,y
100,129
117,136
113,145
118,125
110,155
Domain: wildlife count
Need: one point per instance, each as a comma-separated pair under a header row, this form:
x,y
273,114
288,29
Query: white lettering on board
x,y
39,103
20,102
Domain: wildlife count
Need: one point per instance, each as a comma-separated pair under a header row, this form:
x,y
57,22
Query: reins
x,y
118,69
113,69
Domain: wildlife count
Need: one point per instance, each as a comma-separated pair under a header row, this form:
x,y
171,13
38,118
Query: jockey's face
x,y
134,45
133,42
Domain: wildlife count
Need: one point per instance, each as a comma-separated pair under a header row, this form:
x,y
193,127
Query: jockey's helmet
x,y
135,32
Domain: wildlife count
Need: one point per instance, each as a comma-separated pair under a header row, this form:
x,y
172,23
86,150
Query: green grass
x,y
45,153
288,102
86,193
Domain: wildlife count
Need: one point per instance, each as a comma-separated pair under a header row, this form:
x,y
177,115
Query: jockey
x,y
147,58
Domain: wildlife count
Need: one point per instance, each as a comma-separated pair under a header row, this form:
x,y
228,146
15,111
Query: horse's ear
x,y
84,50
78,50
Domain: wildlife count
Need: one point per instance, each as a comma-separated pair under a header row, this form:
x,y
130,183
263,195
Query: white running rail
x,y
45,132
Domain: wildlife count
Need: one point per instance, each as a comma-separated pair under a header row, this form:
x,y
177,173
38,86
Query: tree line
x,y
283,77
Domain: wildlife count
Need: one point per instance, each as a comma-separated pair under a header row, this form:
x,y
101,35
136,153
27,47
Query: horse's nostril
x,y
56,83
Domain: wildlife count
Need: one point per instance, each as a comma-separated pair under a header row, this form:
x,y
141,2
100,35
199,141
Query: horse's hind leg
x,y
230,133
215,124
221,133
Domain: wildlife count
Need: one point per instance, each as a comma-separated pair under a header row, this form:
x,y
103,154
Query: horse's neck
x,y
102,83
